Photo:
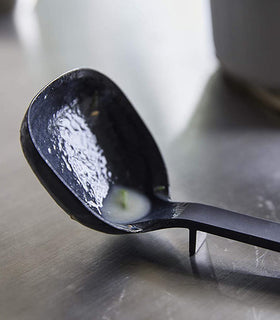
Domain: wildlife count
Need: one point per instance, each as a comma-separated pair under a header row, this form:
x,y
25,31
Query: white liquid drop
x,y
123,205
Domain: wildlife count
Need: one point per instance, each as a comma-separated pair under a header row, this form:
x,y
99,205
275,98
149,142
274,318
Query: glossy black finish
x,y
131,155
81,135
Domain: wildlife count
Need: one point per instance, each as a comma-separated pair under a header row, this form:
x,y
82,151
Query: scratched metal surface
x,y
220,146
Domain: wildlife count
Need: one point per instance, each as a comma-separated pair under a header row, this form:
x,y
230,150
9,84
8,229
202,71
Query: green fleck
x,y
122,198
159,188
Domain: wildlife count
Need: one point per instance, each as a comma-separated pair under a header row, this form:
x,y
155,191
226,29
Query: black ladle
x,y
81,136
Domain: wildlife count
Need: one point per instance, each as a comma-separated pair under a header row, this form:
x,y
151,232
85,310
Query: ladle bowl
x,y
87,145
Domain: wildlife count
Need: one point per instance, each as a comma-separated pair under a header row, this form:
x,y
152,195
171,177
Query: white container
x,y
247,39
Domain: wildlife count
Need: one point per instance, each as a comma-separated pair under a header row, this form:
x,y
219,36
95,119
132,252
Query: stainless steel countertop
x,y
221,147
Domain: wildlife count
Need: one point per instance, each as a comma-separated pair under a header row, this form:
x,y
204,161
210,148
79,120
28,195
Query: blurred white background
x,y
159,52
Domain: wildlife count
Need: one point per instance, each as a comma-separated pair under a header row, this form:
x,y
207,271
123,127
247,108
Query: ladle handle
x,y
231,225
